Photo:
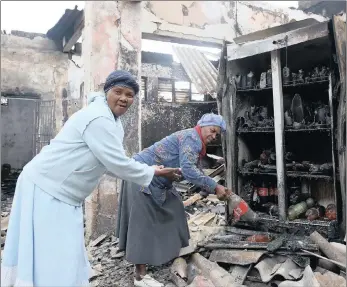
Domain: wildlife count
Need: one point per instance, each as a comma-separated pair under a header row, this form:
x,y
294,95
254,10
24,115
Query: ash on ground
x,y
110,267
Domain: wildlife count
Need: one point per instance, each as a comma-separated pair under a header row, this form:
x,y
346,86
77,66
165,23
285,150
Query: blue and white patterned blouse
x,y
178,150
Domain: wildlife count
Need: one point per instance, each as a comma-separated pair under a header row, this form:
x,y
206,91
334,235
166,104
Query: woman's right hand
x,y
173,174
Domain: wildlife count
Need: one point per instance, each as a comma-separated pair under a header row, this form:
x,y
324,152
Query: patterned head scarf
x,y
121,78
212,120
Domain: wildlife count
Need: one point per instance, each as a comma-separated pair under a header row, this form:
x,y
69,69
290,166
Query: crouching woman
x,y
152,225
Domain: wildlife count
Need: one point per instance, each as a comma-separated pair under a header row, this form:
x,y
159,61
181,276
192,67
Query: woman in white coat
x,y
45,240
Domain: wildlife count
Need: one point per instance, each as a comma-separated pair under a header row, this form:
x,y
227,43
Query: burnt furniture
x,y
278,97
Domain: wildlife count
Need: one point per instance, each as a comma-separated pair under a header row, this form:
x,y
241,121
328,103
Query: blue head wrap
x,y
121,78
212,120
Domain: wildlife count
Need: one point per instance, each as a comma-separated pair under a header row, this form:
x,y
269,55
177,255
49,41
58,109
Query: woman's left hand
x,y
173,174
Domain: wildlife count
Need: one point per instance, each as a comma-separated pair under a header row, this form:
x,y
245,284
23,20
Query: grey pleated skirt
x,y
150,233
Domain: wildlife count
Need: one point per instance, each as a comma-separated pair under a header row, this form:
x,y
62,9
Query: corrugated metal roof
x,y
198,68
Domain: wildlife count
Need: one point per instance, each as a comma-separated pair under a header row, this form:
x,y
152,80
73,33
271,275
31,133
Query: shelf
x,y
327,228
297,174
243,172
321,81
255,130
309,129
212,245
271,130
254,89
316,222
291,174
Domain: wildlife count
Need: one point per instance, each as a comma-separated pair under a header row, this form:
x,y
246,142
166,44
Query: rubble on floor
x,y
111,269
201,208
9,178
232,267
5,216
220,255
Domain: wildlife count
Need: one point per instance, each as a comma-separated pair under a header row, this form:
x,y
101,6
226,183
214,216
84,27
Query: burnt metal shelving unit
x,y
271,55
291,84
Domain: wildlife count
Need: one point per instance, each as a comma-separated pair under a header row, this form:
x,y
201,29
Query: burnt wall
x,y
18,131
162,119
32,65
324,8
210,22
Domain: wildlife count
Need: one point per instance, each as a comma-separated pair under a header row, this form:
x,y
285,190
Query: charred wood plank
x,y
276,42
339,27
330,251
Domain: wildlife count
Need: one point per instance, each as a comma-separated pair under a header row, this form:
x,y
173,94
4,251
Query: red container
x,y
260,238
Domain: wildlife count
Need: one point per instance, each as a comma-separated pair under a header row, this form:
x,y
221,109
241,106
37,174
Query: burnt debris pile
x,y
249,81
297,115
262,196
317,74
303,104
267,164
301,115
9,178
257,118
261,193
221,255
244,82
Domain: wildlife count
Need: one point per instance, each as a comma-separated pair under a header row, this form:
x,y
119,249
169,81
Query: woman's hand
x,y
173,174
222,192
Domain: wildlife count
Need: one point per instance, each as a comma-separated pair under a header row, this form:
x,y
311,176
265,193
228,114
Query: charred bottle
x,y
260,238
255,201
240,209
294,194
263,193
330,212
296,210
312,214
